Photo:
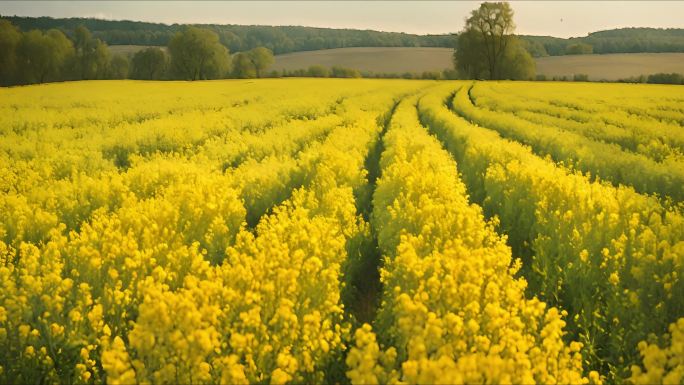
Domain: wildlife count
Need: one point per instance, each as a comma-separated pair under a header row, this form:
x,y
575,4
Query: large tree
x,y
487,47
242,66
118,67
149,64
42,56
252,63
10,37
196,54
261,59
92,55
518,64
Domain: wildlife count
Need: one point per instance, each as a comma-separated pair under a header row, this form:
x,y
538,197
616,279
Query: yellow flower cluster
x,y
627,105
272,311
606,160
662,365
452,311
609,255
224,232
192,233
586,111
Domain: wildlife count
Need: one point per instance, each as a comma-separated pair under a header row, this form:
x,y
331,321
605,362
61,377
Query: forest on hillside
x,y
284,39
281,39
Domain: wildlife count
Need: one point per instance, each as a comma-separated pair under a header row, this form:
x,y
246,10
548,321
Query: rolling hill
x,y
419,59
286,39
370,59
611,66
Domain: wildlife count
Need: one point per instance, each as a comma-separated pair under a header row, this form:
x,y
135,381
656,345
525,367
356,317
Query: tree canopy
x,y
284,39
261,59
197,54
252,63
238,38
149,64
487,48
579,49
118,67
42,56
10,36
92,55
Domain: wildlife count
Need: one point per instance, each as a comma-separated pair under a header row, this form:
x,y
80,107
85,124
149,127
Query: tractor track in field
x,y
363,297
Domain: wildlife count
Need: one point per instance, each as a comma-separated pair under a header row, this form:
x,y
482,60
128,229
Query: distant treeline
x,y
319,71
193,53
237,37
659,78
286,39
624,40
38,56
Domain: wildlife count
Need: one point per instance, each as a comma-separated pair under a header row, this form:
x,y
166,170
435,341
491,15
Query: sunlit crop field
x,y
341,231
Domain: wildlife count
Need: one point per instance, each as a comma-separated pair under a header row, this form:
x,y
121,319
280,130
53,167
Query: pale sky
x,y
555,18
